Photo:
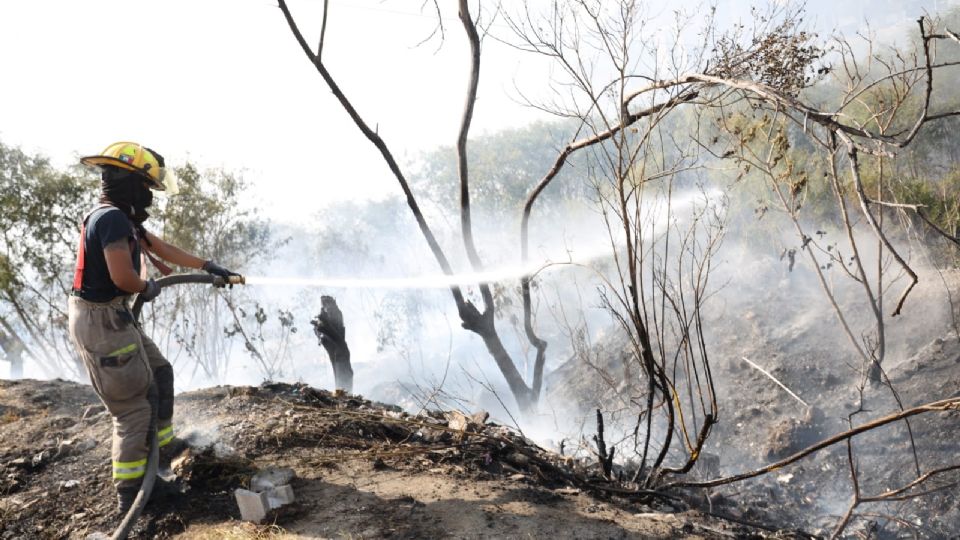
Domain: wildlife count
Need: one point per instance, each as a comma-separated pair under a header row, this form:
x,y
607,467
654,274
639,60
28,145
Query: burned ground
x,y
759,423
368,470
364,470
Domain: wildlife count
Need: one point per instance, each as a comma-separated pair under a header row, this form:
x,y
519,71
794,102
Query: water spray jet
x,y
434,281
694,200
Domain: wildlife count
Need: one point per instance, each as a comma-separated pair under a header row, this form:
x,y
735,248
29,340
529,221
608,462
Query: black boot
x,y
163,490
125,498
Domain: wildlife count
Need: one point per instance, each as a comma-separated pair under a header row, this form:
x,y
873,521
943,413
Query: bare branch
x,y
374,138
952,404
323,28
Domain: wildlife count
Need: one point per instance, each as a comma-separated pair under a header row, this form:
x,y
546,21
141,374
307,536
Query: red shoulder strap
x,y
82,250
81,258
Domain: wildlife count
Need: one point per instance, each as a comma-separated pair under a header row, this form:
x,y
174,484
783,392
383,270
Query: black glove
x,y
151,291
215,269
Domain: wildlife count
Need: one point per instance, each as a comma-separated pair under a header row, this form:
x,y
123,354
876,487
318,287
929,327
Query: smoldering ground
x,y
773,312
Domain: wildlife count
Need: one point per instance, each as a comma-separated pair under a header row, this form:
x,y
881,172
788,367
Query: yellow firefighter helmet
x,y
139,159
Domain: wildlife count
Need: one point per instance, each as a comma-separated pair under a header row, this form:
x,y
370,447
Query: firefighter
x,y
125,366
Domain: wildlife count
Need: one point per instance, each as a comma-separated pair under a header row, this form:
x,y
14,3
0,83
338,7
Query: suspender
x,y
81,259
82,252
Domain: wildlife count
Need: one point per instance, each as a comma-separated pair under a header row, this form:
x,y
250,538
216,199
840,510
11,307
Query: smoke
x,y
205,433
776,312
548,261
402,326
408,347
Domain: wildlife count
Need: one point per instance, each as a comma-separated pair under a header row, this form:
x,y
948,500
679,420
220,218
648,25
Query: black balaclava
x,y
127,191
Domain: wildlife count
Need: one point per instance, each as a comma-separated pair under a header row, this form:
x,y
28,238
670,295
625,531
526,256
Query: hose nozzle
x,y
221,282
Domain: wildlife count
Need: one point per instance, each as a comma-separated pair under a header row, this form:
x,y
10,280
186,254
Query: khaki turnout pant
x,y
122,363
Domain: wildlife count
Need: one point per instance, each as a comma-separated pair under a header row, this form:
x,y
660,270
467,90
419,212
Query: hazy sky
x,y
223,83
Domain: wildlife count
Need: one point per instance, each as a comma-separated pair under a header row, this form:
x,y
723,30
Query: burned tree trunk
x,y
603,453
328,326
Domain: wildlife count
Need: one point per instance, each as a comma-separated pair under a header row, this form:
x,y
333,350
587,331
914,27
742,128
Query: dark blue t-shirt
x,y
105,226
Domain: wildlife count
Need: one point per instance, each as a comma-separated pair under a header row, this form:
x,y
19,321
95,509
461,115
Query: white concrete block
x,y
280,496
253,505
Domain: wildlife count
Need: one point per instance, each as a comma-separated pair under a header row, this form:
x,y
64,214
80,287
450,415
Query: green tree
x,y
509,161
40,207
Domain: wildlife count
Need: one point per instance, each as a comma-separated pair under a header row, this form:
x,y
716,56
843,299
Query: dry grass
x,y
238,531
9,416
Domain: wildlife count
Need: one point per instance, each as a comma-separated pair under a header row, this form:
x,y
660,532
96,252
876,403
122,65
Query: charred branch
x,y
330,330
479,323
945,405
604,454
852,156
378,142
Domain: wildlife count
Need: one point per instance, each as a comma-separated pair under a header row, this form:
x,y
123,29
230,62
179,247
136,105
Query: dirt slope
x,y
363,471
759,423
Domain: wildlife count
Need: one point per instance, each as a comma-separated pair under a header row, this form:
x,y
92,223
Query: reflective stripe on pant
x,y
164,436
129,470
120,361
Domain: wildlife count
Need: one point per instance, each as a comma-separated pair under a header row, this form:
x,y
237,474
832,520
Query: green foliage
x,y
770,155
939,201
8,277
504,167
939,198
40,207
39,211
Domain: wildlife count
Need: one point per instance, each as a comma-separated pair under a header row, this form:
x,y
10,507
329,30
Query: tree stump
x,y
329,328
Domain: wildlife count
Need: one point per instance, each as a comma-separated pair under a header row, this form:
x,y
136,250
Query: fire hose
x,y
153,459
